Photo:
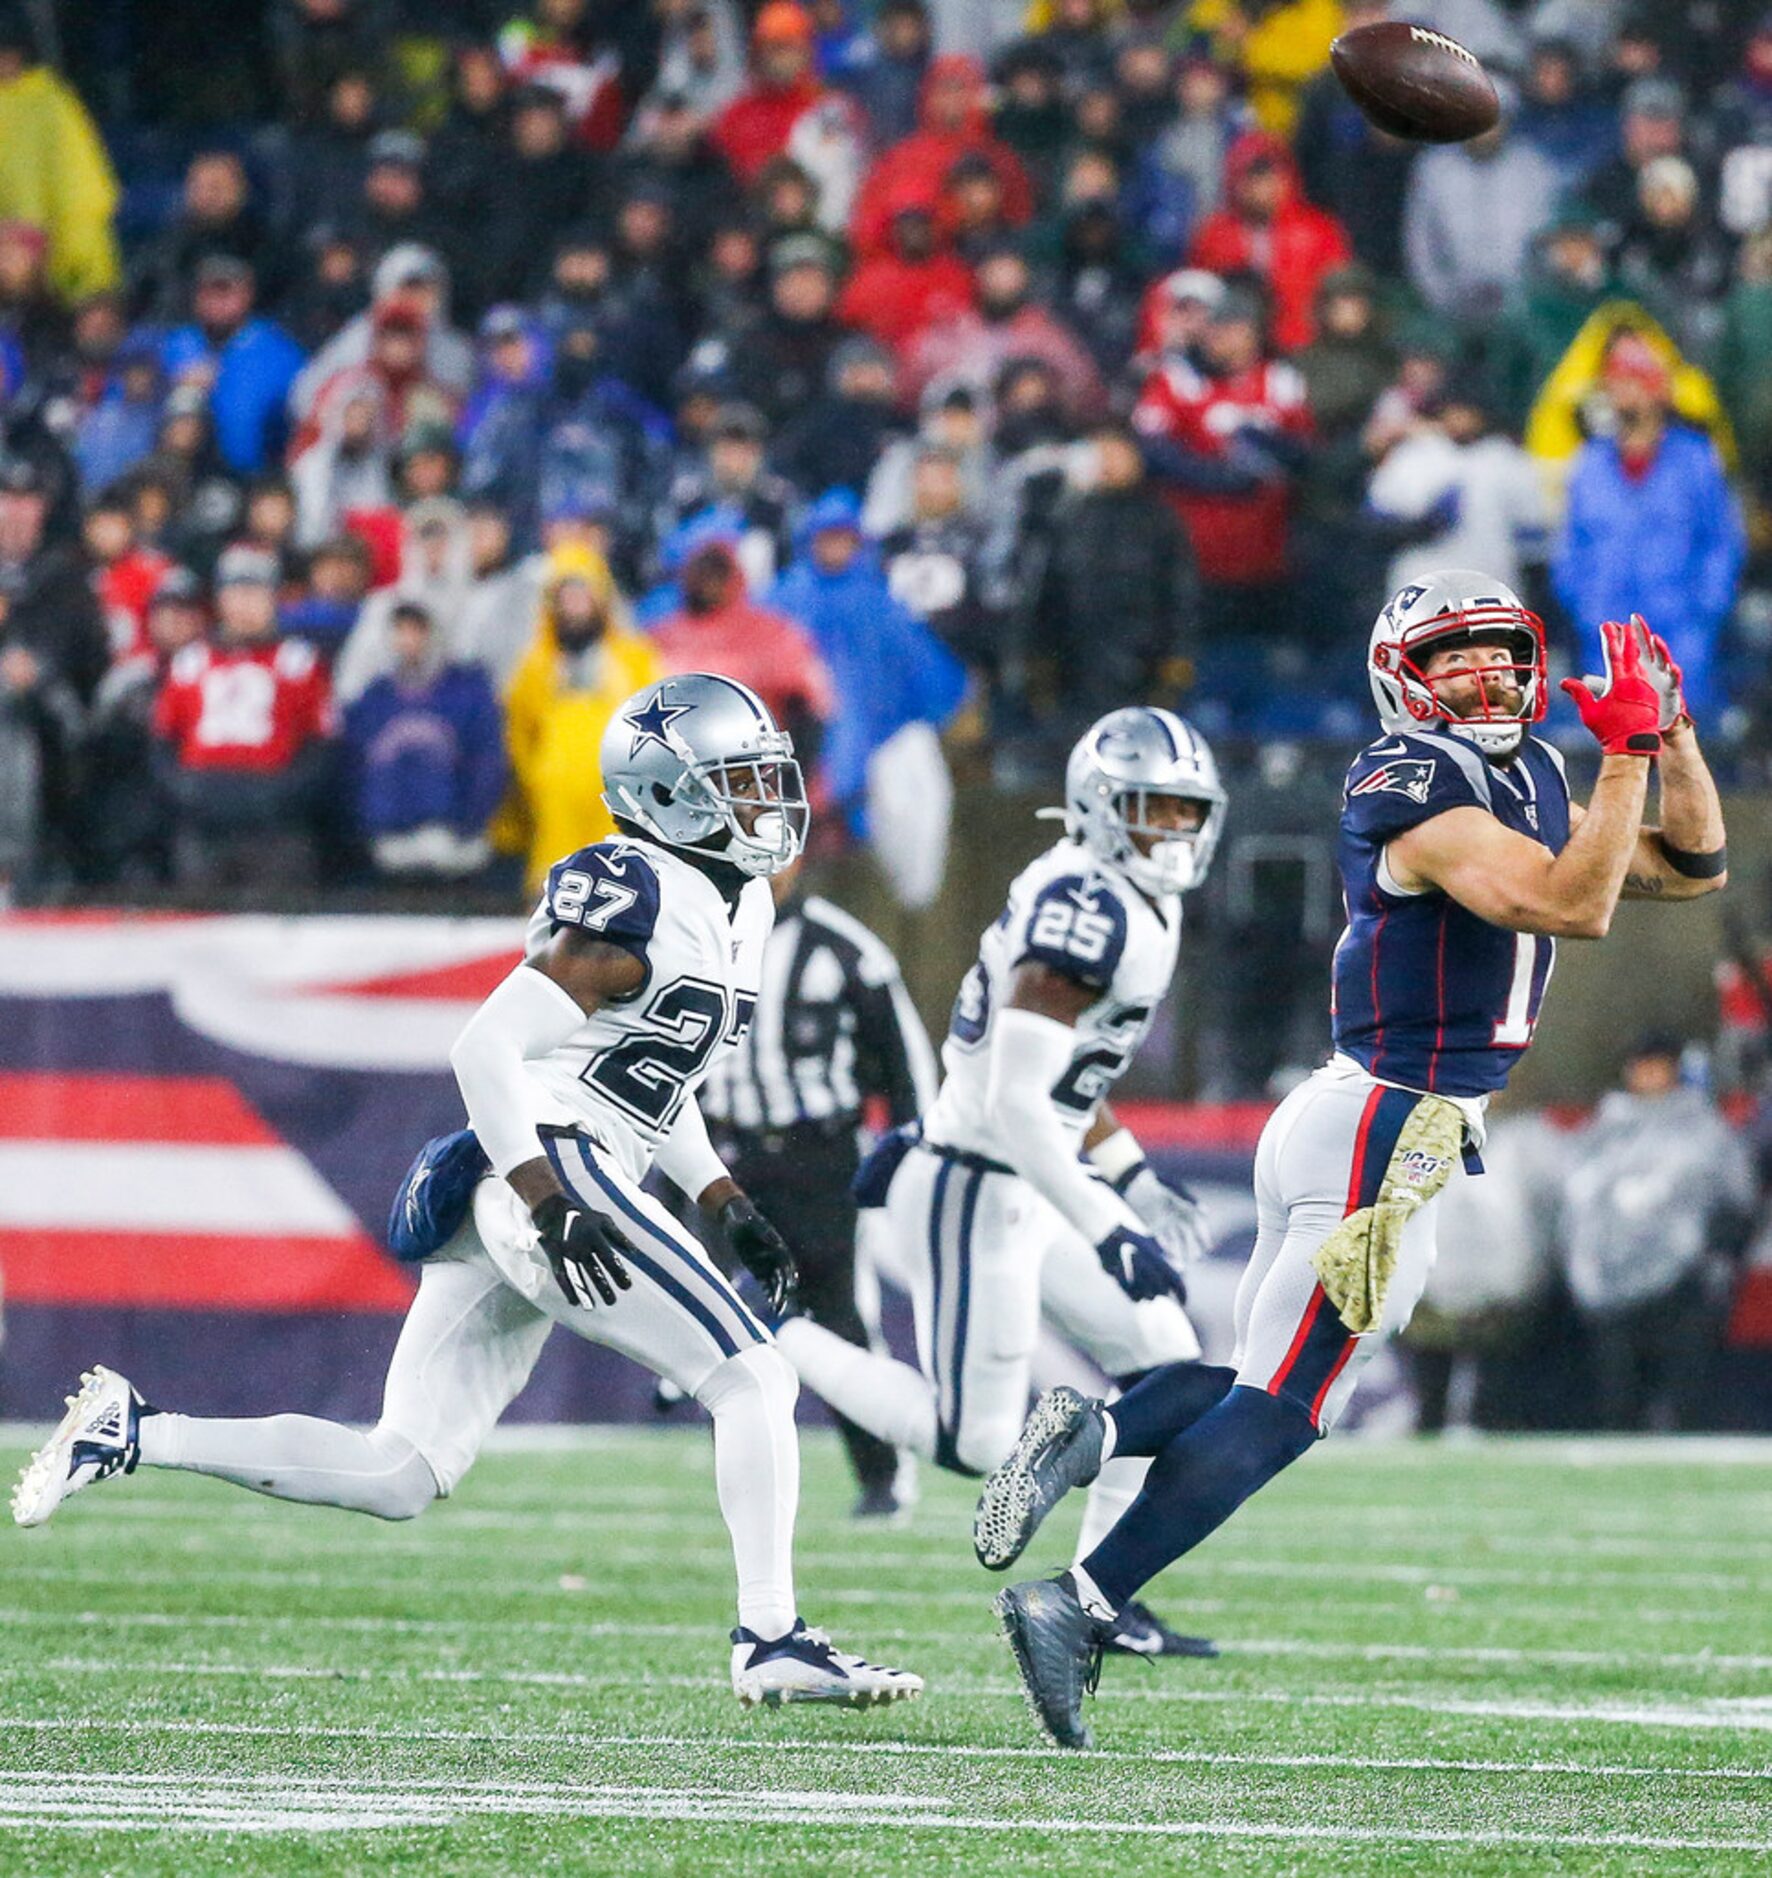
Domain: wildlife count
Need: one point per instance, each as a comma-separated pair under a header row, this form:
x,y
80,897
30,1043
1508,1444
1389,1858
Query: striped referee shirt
x,y
834,1026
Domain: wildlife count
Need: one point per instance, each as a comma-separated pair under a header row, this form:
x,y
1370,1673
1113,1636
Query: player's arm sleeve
x,y
526,1017
610,892
686,1156
894,1059
1403,783
1029,1054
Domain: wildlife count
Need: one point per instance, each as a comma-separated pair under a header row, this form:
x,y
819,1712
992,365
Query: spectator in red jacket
x,y
911,285
243,725
756,125
1228,437
125,573
1267,229
954,124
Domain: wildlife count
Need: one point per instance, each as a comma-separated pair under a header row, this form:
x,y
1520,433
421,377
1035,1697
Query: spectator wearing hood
x,y
1473,211
952,416
117,429
1672,256
1657,1197
953,124
500,427
716,626
203,498
701,58
884,70
54,172
1008,323
1265,229
1349,167
1651,527
503,601
396,369
582,665
913,283
1651,124
409,276
247,362
1177,179
436,570
838,438
757,126
425,758
1561,116
896,685
348,470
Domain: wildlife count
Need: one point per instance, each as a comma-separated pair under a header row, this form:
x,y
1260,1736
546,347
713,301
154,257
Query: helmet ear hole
x,y
661,795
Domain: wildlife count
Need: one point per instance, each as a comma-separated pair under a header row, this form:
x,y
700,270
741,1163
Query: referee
x,y
834,1028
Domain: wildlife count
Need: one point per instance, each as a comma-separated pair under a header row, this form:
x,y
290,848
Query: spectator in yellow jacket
x,y
53,169
1278,45
582,663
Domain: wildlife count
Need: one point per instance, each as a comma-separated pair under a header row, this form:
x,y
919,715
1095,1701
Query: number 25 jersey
x,y
1427,995
1070,911
624,1073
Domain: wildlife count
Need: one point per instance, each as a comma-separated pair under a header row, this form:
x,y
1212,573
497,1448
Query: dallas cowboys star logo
x,y
652,720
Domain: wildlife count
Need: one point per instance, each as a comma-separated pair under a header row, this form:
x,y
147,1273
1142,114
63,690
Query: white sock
x,y
1089,1596
886,1397
1110,1435
1112,1491
297,1457
757,1473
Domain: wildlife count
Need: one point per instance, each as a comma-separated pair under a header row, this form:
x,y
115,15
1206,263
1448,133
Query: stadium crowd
x,y
950,370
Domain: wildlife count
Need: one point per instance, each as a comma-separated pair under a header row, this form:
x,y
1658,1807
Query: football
x,y
1415,83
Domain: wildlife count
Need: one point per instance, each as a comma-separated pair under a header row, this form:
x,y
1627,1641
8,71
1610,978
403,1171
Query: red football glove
x,y
1623,709
1667,678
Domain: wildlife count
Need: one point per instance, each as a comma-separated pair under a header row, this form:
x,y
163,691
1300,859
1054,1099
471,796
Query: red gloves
x,y
1623,709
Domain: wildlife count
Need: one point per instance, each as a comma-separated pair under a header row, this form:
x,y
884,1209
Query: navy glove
x,y
1135,1262
761,1250
585,1251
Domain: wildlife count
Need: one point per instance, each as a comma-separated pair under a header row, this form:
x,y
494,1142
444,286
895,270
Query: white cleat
x,y
97,1438
804,1666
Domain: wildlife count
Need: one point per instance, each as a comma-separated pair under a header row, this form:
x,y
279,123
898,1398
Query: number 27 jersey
x,y
624,1073
1068,911
1427,995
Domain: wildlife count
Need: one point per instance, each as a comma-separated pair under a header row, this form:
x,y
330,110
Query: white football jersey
x,y
623,1074
1083,917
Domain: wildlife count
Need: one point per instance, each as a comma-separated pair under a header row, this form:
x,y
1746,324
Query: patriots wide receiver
x,y
579,1072
993,1212
1463,861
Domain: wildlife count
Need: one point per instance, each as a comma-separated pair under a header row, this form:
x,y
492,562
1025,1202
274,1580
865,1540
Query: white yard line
x,y
113,1803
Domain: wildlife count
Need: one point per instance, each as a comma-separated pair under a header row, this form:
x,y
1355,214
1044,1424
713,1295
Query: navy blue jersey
x,y
1427,994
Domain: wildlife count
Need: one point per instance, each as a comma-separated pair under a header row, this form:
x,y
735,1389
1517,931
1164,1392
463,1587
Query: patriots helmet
x,y
1452,607
1119,763
697,762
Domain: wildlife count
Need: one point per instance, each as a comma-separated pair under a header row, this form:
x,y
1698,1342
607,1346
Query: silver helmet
x,y
1119,763
690,758
1450,605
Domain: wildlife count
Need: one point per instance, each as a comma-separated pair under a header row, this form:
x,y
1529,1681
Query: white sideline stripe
x,y
121,1802
165,1187
1328,1651
943,1750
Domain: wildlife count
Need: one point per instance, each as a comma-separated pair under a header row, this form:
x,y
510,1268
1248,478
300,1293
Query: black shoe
x,y
878,1502
1057,1647
1059,1448
1141,1632
667,1398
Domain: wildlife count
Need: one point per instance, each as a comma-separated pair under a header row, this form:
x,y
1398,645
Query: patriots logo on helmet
x,y
1412,777
652,720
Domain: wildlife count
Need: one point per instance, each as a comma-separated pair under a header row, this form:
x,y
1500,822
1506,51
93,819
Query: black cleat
x,y
1141,1632
1057,1647
880,1502
1059,1448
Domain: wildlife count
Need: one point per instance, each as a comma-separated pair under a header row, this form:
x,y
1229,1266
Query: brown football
x,y
1415,83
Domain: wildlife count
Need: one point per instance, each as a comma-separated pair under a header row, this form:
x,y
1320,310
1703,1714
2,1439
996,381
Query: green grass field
x,y
1509,1658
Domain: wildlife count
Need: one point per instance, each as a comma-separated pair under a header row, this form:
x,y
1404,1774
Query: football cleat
x,y
1057,1647
805,1666
1059,1448
98,1437
1141,1632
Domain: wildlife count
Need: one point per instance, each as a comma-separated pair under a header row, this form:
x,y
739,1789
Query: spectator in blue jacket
x,y
1652,526
120,428
426,751
896,684
500,427
248,363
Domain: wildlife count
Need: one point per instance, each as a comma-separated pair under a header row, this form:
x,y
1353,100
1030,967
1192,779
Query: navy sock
x,y
1196,1483
1165,1403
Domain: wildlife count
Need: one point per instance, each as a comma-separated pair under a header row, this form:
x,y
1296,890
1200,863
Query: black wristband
x,y
1695,866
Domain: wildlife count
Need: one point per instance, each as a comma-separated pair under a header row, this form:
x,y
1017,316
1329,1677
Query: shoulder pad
x,y
1076,926
1399,781
609,890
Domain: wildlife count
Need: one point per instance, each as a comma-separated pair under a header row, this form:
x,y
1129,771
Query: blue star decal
x,y
652,720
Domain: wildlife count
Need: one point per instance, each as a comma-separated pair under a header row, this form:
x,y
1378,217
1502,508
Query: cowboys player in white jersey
x,y
579,1072
995,1216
